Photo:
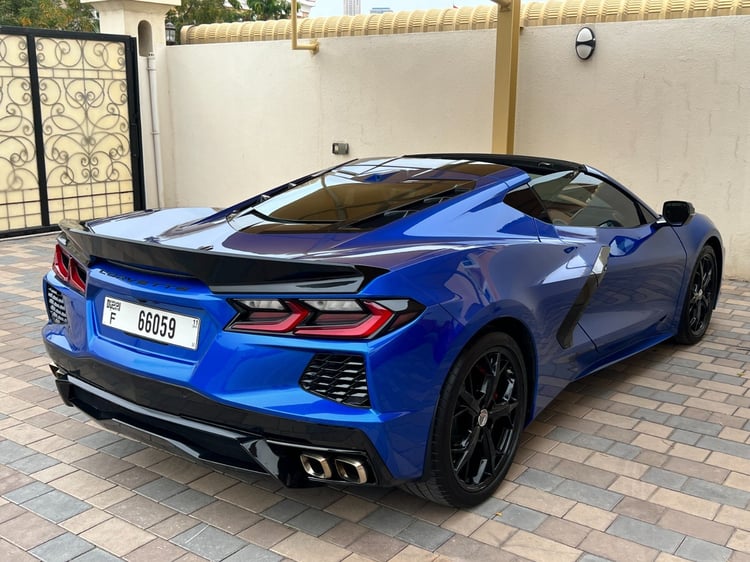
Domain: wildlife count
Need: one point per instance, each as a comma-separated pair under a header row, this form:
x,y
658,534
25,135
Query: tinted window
x,y
337,198
577,199
526,201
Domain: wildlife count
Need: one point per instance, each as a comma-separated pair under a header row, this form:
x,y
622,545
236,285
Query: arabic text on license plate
x,y
151,323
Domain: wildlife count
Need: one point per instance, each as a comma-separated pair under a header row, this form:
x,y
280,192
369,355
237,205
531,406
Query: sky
x,y
336,7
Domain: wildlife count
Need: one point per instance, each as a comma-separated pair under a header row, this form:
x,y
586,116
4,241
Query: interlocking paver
x,y
11,451
539,479
97,555
489,508
463,548
521,517
664,478
697,527
56,506
646,460
284,510
157,550
375,546
123,448
188,501
33,463
586,493
117,536
700,551
99,439
645,534
226,516
351,508
424,535
313,522
716,492
534,547
209,542
624,451
61,549
25,493
255,553
387,521
29,530
161,489
344,533
9,551
141,511
640,509
267,533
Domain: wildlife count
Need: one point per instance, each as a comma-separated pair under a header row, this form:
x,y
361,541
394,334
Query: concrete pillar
x,y
144,19
126,17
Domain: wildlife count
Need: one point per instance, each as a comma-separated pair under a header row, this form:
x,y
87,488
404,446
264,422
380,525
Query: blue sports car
x,y
388,321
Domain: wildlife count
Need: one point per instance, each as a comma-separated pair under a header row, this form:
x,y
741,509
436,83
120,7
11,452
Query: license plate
x,y
151,323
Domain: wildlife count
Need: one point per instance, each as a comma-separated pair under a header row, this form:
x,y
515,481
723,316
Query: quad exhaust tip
x,y
316,466
347,469
351,470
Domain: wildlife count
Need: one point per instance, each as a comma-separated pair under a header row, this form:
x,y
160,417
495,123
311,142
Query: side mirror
x,y
677,213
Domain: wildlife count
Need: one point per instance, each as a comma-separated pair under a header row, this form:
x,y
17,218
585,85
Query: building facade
x,y
352,7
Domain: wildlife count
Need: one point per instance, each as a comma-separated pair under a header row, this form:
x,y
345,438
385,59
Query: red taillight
x,y
61,263
279,321
350,326
332,318
69,270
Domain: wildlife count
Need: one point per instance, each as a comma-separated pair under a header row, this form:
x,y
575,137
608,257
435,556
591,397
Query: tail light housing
x,y
68,270
324,318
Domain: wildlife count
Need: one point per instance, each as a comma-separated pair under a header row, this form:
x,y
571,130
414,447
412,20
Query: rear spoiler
x,y
221,272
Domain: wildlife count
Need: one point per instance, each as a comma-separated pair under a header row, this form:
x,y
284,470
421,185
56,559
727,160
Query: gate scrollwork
x,y
68,125
19,183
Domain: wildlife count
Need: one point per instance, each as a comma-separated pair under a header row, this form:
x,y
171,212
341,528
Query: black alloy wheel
x,y
700,298
479,421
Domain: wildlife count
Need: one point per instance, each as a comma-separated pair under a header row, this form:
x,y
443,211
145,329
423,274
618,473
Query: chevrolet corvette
x,y
385,322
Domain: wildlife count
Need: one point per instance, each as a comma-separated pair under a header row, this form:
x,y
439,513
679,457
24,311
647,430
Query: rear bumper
x,y
187,423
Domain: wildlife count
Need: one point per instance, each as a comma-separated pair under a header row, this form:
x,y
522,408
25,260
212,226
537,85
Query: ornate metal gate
x,y
70,143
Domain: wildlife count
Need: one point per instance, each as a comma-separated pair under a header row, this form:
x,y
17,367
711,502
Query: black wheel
x,y
700,298
479,420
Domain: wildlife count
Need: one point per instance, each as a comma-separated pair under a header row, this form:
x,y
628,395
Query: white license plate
x,y
151,323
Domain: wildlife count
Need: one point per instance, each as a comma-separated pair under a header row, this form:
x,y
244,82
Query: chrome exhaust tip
x,y
351,470
316,466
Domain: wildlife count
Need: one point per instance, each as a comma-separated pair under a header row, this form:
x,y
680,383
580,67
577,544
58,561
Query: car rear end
x,y
306,386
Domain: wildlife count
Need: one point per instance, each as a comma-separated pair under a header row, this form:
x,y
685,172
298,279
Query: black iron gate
x,y
70,139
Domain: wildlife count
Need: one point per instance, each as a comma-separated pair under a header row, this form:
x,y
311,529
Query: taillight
x,y
326,318
69,270
269,316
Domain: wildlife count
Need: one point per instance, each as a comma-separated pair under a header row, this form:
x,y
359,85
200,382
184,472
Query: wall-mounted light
x,y
585,43
340,148
170,33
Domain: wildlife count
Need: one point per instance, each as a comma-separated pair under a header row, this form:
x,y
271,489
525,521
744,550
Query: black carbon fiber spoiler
x,y
221,272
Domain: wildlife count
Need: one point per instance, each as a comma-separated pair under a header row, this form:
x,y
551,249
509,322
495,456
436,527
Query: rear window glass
x,y
337,198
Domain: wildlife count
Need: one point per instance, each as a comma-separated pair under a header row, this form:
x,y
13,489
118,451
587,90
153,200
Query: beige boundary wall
x,y
663,105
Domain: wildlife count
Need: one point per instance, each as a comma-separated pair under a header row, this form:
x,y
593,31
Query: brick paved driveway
x,y
648,460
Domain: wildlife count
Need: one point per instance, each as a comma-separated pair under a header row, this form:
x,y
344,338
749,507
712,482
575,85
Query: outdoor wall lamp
x,y
170,33
340,148
585,43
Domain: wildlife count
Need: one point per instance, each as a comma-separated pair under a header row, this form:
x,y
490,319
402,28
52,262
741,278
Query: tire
x,y
478,423
700,298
